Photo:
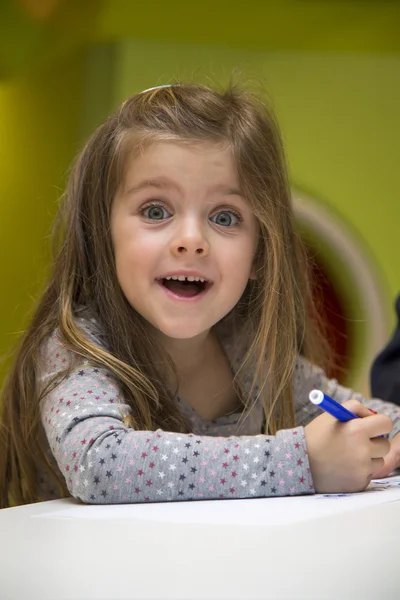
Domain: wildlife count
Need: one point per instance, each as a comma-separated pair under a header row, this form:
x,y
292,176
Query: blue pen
x,y
330,406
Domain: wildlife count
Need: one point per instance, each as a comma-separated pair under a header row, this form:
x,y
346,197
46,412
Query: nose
x,y
190,240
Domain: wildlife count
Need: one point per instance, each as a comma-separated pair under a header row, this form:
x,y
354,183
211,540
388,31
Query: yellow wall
x,y
40,118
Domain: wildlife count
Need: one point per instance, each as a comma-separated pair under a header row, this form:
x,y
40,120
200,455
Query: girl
x,y
171,355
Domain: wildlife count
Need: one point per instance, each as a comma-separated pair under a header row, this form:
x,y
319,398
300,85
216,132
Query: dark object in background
x,y
385,371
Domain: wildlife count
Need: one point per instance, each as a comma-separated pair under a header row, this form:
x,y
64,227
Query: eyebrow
x,y
150,183
162,183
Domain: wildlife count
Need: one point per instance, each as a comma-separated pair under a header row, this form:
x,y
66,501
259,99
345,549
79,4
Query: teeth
x,y
183,278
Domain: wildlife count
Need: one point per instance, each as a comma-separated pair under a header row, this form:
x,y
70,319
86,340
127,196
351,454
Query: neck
x,y
188,354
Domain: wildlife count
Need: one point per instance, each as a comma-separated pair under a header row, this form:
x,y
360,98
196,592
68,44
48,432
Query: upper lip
x,y
186,274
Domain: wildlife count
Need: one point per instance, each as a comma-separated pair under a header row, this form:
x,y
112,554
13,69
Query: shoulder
x,y
56,357
90,324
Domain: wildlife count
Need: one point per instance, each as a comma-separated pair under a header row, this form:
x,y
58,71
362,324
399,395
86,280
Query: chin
x,y
182,331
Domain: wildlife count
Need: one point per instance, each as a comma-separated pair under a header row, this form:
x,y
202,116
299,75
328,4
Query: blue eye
x,y
155,212
226,218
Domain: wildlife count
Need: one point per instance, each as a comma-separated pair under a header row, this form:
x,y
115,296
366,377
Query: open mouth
x,y
185,287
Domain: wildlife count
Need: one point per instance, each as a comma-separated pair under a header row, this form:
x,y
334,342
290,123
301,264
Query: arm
x,y
103,461
385,371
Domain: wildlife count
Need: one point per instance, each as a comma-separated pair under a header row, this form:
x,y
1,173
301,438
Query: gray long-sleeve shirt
x,y
103,461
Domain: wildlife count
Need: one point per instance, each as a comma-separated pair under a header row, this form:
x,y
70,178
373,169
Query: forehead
x,y
182,159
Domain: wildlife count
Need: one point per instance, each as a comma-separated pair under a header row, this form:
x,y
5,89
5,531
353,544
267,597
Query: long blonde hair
x,y
277,307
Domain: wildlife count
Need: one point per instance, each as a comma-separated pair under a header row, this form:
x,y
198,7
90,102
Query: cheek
x,y
137,254
239,261
125,239
125,254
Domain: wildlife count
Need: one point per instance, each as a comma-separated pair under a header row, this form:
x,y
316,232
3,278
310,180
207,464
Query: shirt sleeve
x,y
105,462
309,377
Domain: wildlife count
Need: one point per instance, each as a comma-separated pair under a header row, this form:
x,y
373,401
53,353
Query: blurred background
x,y
331,70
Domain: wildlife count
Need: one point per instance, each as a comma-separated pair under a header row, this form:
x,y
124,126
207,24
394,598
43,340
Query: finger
x,y
377,425
390,463
380,447
392,459
377,467
373,425
357,408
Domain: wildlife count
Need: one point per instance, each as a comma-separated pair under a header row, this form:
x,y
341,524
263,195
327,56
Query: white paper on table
x,y
257,511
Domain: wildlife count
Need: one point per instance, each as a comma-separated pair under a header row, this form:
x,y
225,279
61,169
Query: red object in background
x,y
334,318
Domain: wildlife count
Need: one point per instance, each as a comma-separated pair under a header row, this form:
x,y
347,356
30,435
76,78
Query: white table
x,y
47,555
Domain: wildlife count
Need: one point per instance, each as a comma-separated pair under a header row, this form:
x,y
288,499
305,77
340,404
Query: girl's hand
x,y
392,458
344,457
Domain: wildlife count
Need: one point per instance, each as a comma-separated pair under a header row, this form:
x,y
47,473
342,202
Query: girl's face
x,y
184,237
